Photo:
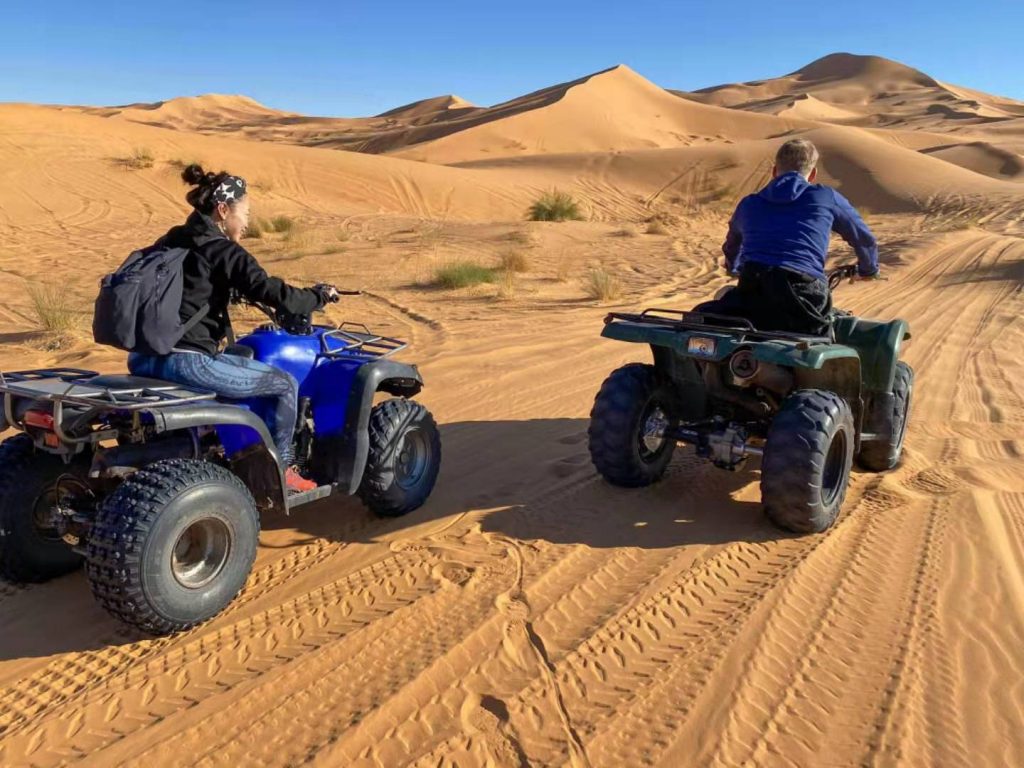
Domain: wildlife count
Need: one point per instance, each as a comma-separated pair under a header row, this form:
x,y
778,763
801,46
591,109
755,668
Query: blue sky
x,y
362,58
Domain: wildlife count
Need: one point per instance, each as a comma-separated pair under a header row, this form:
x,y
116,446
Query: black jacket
x,y
213,267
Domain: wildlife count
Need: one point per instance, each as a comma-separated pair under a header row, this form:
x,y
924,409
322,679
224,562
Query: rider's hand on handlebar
x,y
328,293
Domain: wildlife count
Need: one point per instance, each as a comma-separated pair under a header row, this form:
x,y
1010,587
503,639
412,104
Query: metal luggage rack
x,y
355,339
684,320
71,386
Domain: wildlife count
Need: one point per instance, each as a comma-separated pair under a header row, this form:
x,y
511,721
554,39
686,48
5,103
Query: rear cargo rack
x,y
682,320
75,386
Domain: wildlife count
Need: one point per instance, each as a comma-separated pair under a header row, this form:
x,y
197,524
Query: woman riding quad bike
x,y
158,480
216,268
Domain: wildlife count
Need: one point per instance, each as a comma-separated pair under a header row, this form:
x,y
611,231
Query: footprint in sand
x,y
935,481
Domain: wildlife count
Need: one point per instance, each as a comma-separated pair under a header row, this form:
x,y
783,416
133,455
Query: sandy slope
x,y
529,614
880,91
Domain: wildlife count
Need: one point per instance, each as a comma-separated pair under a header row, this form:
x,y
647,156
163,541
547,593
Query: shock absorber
x,y
303,436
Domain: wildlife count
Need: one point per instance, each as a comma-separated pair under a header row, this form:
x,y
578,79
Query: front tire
x,y
173,545
30,551
631,414
807,459
404,458
884,455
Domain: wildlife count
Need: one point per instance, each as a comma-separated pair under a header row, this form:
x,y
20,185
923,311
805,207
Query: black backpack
x,y
138,308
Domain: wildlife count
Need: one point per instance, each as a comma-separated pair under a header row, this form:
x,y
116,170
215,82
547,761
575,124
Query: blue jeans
x,y
234,378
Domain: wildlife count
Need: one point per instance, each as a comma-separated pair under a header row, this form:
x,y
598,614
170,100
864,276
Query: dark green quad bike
x,y
807,404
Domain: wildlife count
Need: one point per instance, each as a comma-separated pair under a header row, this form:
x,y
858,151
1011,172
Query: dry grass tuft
x,y
602,285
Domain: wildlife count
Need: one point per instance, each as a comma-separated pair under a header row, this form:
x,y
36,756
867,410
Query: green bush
x,y
555,206
281,224
462,274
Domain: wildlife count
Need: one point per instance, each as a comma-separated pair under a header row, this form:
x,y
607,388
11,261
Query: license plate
x,y
698,345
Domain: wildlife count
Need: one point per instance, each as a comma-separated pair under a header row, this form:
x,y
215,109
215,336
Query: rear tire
x,y
404,458
807,459
173,545
883,455
30,552
631,400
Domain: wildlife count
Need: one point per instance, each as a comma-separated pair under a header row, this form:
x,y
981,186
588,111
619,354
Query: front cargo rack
x,y
355,339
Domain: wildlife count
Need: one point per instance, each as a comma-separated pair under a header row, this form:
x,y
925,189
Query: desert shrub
x,y
280,224
140,158
601,284
55,313
462,274
507,285
255,229
555,206
514,260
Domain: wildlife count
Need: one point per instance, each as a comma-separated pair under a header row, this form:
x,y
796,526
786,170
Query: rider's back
x,y
214,266
789,224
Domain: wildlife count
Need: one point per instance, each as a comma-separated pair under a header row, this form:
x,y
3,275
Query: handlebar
x,y
298,324
837,275
847,272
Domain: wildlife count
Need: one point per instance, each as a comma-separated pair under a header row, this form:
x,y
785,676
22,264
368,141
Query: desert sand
x,y
530,614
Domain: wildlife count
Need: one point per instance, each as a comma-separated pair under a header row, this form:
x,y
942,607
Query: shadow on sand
x,y
528,480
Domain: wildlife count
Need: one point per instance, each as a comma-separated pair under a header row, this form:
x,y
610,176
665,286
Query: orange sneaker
x,y
297,483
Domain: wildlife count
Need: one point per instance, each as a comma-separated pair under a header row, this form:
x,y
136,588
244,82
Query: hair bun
x,y
193,174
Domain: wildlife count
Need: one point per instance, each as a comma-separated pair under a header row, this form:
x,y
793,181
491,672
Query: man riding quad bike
x,y
768,368
157,479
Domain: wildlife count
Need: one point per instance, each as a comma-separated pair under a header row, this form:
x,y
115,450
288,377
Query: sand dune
x,y
431,110
982,157
612,110
530,614
878,91
193,113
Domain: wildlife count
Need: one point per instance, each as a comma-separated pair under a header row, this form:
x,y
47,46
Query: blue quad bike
x,y
159,488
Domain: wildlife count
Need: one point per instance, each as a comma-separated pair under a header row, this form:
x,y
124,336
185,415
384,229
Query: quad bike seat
x,y
128,382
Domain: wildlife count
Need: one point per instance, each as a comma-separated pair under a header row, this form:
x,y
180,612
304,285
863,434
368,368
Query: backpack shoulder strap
x,y
193,321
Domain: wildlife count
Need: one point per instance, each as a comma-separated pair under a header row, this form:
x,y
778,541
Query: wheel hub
x,y
200,553
413,459
652,433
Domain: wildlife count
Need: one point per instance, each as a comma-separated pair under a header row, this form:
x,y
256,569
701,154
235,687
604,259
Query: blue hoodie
x,y
789,223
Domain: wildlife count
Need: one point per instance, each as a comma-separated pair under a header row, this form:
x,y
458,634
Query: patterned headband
x,y
231,190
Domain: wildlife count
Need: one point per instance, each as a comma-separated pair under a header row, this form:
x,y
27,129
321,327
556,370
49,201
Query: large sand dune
x,y
530,614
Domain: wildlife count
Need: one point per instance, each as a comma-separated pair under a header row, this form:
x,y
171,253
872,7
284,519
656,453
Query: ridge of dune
x,y
870,91
875,71
190,112
611,110
982,157
431,106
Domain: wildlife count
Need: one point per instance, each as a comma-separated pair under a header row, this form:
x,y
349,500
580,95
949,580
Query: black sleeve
x,y
245,275
733,241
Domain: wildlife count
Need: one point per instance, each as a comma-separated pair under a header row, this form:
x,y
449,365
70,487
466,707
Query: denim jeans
x,y
234,378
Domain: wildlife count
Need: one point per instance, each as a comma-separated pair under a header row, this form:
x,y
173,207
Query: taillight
x,y
40,419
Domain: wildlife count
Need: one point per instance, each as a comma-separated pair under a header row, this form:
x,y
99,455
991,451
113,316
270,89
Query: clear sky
x,y
359,58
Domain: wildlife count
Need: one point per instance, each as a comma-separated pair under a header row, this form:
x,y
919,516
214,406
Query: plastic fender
x,y
878,344
341,455
252,454
330,388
